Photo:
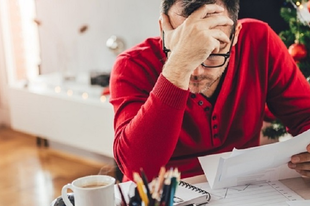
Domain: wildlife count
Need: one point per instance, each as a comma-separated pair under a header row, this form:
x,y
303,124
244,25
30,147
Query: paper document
x,y
267,162
265,193
299,203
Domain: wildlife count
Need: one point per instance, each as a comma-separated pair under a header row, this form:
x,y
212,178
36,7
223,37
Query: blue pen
x,y
172,190
135,200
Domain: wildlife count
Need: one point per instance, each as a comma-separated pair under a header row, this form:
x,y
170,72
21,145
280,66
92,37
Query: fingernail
x,y
295,159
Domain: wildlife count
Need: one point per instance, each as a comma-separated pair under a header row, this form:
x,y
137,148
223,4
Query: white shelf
x,y
44,108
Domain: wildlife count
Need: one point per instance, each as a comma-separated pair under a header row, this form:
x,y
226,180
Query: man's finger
x,y
219,35
300,158
217,20
308,148
204,10
165,22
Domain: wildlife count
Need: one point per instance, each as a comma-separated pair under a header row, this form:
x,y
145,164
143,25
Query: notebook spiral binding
x,y
197,189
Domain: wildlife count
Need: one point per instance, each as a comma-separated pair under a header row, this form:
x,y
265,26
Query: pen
x,y
173,186
122,195
135,200
165,196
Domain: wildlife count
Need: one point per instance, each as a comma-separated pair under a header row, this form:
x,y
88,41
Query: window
x,y
21,39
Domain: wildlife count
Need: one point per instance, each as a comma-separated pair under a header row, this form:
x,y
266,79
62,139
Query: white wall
x,y
64,47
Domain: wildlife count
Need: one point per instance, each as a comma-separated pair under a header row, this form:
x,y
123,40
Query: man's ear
x,y
237,32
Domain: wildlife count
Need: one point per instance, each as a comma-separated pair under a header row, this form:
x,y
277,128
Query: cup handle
x,y
64,194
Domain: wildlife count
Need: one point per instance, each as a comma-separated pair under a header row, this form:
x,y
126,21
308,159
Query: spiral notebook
x,y
187,194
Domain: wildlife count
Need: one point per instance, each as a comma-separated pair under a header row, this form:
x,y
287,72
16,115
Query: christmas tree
x,y
297,40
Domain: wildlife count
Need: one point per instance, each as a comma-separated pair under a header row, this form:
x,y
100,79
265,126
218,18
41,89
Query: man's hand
x,y
301,163
193,41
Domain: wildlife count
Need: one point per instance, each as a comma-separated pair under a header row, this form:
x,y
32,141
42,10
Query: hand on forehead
x,y
189,6
177,17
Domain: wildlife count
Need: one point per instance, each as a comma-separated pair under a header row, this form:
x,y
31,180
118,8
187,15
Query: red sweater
x,y
157,123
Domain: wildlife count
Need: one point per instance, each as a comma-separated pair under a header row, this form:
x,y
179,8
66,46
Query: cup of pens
x,y
158,192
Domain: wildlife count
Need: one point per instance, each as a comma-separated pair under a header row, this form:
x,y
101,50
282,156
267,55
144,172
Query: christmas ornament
x,y
298,51
106,91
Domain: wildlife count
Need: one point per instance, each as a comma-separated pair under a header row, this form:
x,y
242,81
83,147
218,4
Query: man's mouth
x,y
197,78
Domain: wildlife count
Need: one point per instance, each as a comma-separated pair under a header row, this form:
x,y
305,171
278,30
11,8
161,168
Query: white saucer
x,y
54,203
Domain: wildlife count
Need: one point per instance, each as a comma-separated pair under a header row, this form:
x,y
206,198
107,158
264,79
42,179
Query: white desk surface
x,y
299,185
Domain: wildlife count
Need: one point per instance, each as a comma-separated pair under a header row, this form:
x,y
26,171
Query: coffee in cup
x,y
94,190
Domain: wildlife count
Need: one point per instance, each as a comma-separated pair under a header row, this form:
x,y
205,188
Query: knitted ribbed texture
x,y
170,94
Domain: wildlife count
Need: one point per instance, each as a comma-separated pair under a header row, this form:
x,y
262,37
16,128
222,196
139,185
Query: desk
x,y
299,185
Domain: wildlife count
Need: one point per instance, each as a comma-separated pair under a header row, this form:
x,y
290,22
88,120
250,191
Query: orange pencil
x,y
140,188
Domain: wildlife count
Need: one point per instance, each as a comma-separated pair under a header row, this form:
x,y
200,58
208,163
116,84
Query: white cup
x,y
95,190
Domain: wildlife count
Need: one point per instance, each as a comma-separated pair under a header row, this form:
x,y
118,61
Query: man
x,y
208,95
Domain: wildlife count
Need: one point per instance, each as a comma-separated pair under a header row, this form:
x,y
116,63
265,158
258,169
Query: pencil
x,y
140,188
146,184
161,178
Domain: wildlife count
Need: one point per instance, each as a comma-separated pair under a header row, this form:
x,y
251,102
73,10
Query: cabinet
x,y
73,113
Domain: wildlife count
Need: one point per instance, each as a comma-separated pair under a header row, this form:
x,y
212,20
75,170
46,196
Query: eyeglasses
x,y
218,60
214,60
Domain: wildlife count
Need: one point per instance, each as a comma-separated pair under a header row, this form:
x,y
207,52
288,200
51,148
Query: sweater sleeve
x,y
288,91
148,116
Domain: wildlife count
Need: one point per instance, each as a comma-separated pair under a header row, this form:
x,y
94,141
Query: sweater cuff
x,y
169,93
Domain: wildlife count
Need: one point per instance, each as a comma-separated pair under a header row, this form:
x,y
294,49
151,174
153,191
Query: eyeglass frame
x,y
226,56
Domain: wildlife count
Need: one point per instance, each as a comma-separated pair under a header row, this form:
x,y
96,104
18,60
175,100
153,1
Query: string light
x,y
58,89
299,6
103,98
69,92
85,95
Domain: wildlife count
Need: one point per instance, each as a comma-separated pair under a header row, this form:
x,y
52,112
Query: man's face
x,y
201,76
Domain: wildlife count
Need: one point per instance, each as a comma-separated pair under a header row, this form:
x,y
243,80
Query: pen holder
x,y
136,200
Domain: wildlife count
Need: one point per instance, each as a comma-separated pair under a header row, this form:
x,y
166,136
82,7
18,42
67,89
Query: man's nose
x,y
198,71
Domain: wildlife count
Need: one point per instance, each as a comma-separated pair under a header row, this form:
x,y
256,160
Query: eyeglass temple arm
x,y
164,47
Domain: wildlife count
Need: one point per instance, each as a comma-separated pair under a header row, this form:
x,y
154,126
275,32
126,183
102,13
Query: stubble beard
x,y
200,87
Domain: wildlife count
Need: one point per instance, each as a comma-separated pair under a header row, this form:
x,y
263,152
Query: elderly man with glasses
x,y
201,89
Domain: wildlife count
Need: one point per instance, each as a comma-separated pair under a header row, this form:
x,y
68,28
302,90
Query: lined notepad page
x,y
265,193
